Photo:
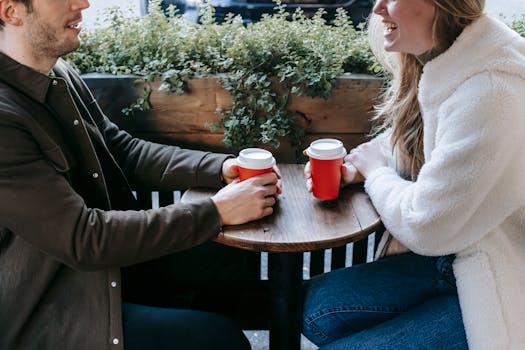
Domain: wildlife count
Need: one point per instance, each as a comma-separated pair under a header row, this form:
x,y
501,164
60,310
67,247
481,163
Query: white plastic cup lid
x,y
255,158
326,149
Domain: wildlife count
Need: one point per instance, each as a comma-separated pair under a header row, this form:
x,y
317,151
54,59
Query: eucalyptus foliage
x,y
518,24
305,55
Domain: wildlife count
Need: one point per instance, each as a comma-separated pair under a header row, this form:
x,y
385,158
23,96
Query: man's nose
x,y
80,4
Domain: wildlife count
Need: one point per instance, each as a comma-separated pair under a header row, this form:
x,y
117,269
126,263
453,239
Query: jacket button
x,y
55,83
115,341
76,122
95,175
113,284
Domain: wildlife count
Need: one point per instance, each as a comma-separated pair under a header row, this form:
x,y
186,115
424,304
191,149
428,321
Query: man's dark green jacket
x,y
68,219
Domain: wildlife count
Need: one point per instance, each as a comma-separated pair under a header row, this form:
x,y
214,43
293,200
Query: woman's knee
x,y
326,315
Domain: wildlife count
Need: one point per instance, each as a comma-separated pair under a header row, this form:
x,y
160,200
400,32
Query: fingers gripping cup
x,y
253,162
326,158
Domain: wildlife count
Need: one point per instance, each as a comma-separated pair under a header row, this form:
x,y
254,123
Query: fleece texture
x,y
469,198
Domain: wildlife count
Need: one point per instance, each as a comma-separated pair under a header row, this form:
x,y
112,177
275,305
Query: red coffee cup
x,y
253,162
326,157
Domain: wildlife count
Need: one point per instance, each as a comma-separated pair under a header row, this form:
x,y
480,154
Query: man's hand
x,y
249,200
230,172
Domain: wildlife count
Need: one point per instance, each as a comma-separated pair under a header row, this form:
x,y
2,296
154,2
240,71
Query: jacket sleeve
x,y
38,204
471,181
161,167
151,165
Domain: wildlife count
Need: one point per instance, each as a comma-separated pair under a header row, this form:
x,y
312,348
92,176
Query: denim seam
x,y
320,314
311,323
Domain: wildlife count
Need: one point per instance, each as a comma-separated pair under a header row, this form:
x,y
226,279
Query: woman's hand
x,y
349,175
308,176
367,157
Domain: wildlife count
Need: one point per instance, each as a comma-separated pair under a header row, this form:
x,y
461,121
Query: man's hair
x,y
28,7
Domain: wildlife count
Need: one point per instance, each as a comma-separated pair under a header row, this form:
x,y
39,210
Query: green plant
x,y
305,55
518,24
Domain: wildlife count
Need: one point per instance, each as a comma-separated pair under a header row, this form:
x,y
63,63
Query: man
x,y
68,220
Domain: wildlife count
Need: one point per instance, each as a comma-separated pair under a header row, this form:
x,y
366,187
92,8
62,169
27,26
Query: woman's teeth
x,y
391,27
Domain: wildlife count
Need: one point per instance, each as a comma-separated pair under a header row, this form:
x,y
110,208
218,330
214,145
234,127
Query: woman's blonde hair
x,y
400,108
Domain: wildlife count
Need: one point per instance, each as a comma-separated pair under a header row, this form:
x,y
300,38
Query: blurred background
x,y
505,8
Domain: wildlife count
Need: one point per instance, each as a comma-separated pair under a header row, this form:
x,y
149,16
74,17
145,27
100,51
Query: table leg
x,y
285,276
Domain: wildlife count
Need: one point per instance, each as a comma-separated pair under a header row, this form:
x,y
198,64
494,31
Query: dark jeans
x,y
147,327
180,301
405,301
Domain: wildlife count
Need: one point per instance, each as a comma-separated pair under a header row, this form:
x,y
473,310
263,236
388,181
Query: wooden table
x,y
299,223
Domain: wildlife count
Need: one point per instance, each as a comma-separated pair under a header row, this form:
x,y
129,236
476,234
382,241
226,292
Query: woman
x,y
447,176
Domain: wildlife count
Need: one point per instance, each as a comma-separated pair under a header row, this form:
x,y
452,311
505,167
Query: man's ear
x,y
9,12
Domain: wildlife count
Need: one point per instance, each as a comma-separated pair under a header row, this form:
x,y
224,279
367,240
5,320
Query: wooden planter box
x,y
183,120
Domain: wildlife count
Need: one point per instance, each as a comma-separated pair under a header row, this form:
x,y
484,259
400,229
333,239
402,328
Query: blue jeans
x,y
405,301
148,327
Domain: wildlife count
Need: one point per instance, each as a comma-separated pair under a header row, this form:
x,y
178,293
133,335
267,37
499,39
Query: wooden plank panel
x,y
347,109
184,120
191,112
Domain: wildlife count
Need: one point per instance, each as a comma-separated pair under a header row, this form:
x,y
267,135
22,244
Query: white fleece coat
x,y
469,198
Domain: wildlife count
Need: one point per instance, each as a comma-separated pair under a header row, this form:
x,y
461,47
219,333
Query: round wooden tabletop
x,y
301,222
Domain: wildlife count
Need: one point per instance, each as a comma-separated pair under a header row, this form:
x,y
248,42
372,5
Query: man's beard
x,y
45,42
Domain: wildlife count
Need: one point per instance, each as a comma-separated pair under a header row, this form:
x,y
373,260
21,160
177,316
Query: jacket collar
x,y
23,78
